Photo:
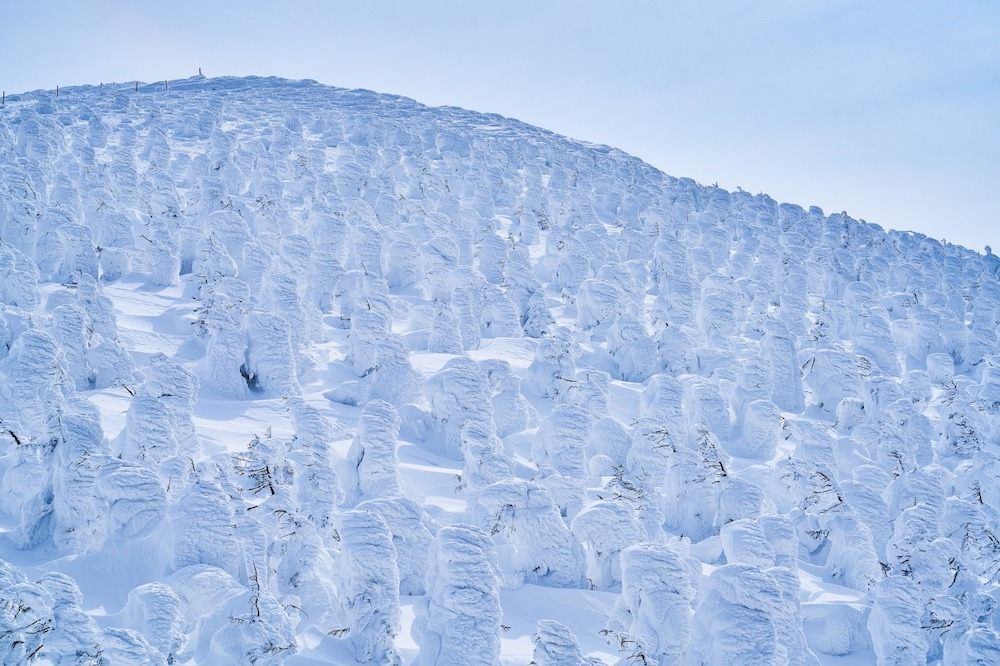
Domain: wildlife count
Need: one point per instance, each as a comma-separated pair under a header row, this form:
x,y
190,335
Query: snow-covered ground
x,y
295,374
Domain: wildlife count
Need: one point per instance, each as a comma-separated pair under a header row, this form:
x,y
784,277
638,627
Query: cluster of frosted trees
x,y
803,392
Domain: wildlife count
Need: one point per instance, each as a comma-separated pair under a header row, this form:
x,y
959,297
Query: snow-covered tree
x,y
461,620
368,586
651,620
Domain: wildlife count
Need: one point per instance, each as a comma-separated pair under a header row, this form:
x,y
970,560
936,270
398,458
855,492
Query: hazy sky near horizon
x,y
888,110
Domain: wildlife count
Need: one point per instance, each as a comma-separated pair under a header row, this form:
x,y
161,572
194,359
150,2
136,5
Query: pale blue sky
x,y
890,110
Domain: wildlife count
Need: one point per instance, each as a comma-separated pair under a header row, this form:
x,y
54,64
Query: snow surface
x,y
295,374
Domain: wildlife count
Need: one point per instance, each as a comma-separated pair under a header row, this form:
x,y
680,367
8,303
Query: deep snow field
x,y
296,374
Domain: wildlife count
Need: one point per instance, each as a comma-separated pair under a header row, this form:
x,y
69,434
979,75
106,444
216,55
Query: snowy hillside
x,y
295,374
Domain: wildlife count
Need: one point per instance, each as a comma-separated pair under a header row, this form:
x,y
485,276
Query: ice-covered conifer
x,y
461,620
148,437
110,364
68,324
512,412
605,528
632,349
652,445
401,266
553,369
444,337
135,499
221,321
371,462
280,297
788,620
598,304
674,348
896,639
716,310
611,439
690,495
743,542
458,394
154,611
523,514
556,645
465,303
412,533
358,291
270,359
498,317
317,485
125,646
704,406
368,586
203,528
563,440
652,616
536,319
735,619
369,331
162,255
18,278
831,375
852,557
177,388
662,399
485,460
778,347
74,634
26,616
758,432
326,272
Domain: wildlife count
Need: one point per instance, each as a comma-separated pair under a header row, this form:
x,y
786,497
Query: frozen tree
x,y
597,305
412,534
632,349
148,437
25,616
371,461
154,611
759,431
606,528
18,278
778,347
461,620
523,514
651,620
444,337
204,528
74,634
556,645
176,387
735,619
270,361
563,441
895,637
553,369
512,412
368,586
744,542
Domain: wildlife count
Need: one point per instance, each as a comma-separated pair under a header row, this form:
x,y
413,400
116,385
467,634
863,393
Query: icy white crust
x,y
290,373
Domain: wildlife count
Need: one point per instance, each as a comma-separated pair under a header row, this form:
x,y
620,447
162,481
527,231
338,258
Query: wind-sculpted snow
x,y
296,374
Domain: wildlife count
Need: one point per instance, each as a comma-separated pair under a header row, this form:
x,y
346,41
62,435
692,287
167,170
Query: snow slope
x,y
295,374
